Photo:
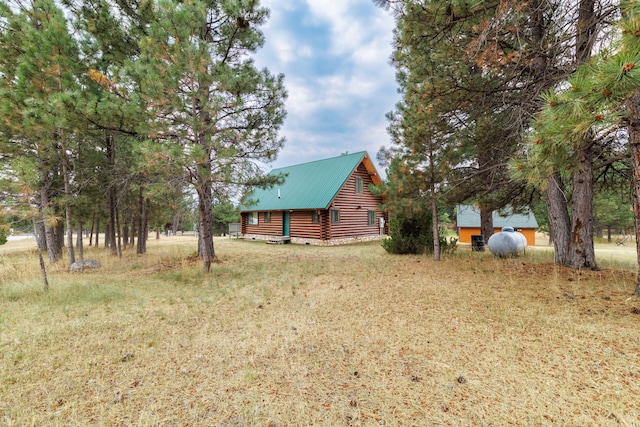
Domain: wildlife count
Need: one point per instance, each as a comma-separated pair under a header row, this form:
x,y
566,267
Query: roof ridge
x,y
361,153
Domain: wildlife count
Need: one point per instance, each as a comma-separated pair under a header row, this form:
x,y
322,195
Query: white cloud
x,y
302,100
335,56
352,22
346,30
281,50
336,92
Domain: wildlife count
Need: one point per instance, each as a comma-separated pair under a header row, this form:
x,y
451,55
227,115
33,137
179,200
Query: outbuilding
x,y
324,202
468,222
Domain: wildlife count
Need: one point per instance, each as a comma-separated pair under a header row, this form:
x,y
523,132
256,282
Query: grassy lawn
x,y
289,335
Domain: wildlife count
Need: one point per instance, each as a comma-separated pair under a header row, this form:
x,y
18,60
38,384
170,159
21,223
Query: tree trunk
x,y
572,235
486,224
97,229
434,205
557,205
79,242
538,35
93,223
125,227
40,234
43,269
49,237
205,239
435,224
176,224
119,237
64,160
204,186
58,236
559,221
67,204
132,236
112,197
112,242
141,247
582,251
145,228
633,107
125,235
586,30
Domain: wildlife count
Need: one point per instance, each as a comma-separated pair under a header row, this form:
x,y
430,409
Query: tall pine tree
x,y
40,66
491,61
602,96
213,112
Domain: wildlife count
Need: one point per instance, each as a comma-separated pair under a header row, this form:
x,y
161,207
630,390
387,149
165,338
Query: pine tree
x,y
602,96
144,98
461,113
491,61
613,210
213,112
39,86
116,119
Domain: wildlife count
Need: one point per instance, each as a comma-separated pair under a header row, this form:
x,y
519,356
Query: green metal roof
x,y
310,185
469,216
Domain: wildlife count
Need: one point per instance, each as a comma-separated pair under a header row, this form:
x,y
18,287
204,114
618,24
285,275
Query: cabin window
x,y
314,217
335,215
372,217
359,185
267,217
252,218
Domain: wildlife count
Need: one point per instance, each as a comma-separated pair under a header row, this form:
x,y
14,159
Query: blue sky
x,y
335,57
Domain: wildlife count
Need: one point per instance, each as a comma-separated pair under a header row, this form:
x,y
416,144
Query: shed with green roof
x,y
321,202
468,222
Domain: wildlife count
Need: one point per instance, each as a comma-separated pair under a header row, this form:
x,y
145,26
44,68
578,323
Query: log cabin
x,y
468,223
325,202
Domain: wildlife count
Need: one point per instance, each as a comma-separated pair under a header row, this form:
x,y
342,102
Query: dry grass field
x,y
293,335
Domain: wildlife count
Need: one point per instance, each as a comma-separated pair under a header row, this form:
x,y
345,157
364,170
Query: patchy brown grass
x,y
295,335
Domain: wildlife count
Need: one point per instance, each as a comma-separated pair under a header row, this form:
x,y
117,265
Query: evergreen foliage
x,y
224,213
462,112
613,211
460,96
471,75
38,94
602,97
411,228
212,112
410,234
112,109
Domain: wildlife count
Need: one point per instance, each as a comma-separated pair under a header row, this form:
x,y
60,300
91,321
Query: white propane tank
x,y
507,243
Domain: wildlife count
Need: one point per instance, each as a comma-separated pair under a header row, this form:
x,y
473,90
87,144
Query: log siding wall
x,y
302,226
273,228
354,209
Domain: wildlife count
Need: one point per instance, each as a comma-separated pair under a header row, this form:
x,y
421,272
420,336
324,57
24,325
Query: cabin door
x,y
285,223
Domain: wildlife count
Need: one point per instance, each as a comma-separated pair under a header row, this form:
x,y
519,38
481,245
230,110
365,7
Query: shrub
x,y
413,234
